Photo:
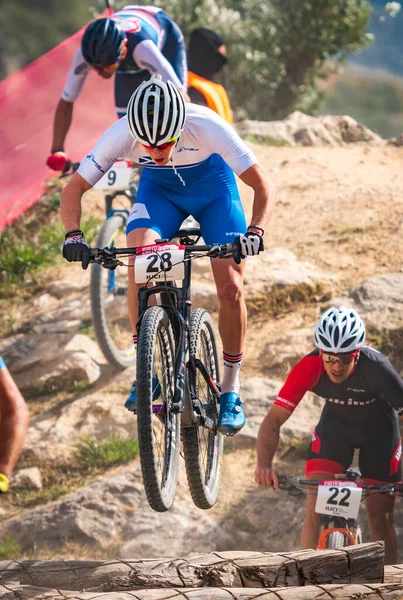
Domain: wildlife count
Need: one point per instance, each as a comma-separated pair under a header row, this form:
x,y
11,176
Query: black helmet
x,y
102,43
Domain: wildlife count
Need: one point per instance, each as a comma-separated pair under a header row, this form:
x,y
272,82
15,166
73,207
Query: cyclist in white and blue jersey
x,y
189,155
132,44
14,419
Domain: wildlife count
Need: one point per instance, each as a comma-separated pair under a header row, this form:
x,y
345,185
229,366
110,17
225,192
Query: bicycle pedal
x,y
177,407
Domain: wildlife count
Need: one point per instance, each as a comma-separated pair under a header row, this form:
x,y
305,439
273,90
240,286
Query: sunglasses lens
x,y
163,146
343,359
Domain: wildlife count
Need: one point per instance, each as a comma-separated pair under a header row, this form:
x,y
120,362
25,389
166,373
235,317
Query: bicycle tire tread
x,y
202,497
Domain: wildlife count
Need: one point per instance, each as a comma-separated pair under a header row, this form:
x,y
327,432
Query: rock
x,y
379,300
28,478
58,327
66,287
77,308
53,360
98,415
396,141
113,508
43,301
279,268
258,395
284,351
301,129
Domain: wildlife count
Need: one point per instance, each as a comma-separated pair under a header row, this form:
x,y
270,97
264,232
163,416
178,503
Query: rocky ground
x,y
336,236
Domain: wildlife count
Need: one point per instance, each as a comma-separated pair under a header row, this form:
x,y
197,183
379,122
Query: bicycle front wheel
x,y
203,449
158,427
109,300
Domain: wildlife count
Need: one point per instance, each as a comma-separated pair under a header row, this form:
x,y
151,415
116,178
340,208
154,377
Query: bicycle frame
x,y
176,300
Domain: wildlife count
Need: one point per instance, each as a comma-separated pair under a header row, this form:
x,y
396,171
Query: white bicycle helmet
x,y
156,112
340,330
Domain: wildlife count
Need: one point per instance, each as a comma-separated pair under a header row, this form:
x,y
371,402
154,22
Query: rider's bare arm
x,y
61,125
267,442
70,201
265,194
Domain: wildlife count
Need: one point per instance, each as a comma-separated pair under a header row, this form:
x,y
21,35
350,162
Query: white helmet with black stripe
x,y
339,330
156,112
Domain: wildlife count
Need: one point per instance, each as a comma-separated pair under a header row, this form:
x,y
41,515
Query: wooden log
x,y
356,564
380,591
393,574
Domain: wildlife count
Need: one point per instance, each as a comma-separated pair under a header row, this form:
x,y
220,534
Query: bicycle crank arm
x,y
208,379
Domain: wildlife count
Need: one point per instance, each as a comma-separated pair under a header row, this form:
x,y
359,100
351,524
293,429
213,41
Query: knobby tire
x,y
203,450
155,357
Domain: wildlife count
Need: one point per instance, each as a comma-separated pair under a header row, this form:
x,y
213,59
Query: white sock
x,y
232,365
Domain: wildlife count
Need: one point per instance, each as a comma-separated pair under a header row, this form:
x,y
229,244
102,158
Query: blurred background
x,y
318,56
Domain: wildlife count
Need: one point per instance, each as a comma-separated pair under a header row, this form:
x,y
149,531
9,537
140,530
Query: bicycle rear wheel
x,y
336,540
203,449
158,427
109,300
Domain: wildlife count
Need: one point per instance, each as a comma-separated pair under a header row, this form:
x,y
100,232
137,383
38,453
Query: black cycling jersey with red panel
x,y
359,413
370,392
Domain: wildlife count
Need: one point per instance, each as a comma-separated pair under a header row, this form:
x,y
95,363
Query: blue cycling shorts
x,y
163,208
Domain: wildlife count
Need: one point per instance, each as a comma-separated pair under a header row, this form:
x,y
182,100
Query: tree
x,y
29,29
278,48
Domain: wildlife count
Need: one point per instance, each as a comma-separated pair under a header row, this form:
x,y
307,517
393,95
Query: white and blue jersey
x,y
155,44
199,180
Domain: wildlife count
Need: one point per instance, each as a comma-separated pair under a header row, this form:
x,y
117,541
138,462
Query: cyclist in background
x,y
363,394
189,155
206,58
132,44
14,419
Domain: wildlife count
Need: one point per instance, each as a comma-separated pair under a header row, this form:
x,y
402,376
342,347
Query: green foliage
x,y
33,243
112,451
278,48
9,548
26,498
29,29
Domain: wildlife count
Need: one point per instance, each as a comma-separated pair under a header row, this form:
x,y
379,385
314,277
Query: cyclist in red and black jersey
x,y
363,394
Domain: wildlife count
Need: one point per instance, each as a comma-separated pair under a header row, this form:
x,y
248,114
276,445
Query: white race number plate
x,y
117,178
338,498
161,262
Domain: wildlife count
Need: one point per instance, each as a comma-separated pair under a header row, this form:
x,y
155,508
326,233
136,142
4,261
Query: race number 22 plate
x,y
117,178
160,262
338,498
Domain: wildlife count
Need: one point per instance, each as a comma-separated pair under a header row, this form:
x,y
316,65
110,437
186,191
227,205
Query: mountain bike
x,y
108,289
177,371
338,502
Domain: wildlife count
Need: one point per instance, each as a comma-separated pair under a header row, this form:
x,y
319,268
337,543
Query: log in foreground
x,y
393,574
376,591
356,564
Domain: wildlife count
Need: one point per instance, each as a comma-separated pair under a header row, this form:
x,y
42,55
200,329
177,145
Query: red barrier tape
x,y
28,100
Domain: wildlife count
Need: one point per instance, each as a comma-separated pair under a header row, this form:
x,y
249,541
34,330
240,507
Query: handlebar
x,y
296,484
107,257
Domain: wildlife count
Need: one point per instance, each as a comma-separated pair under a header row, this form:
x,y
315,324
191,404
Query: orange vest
x,y
214,93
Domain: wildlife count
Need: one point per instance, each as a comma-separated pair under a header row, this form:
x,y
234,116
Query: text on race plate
x,y
160,262
339,498
117,178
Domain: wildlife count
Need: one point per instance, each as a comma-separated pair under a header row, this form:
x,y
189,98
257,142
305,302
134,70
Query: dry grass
x,y
283,300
